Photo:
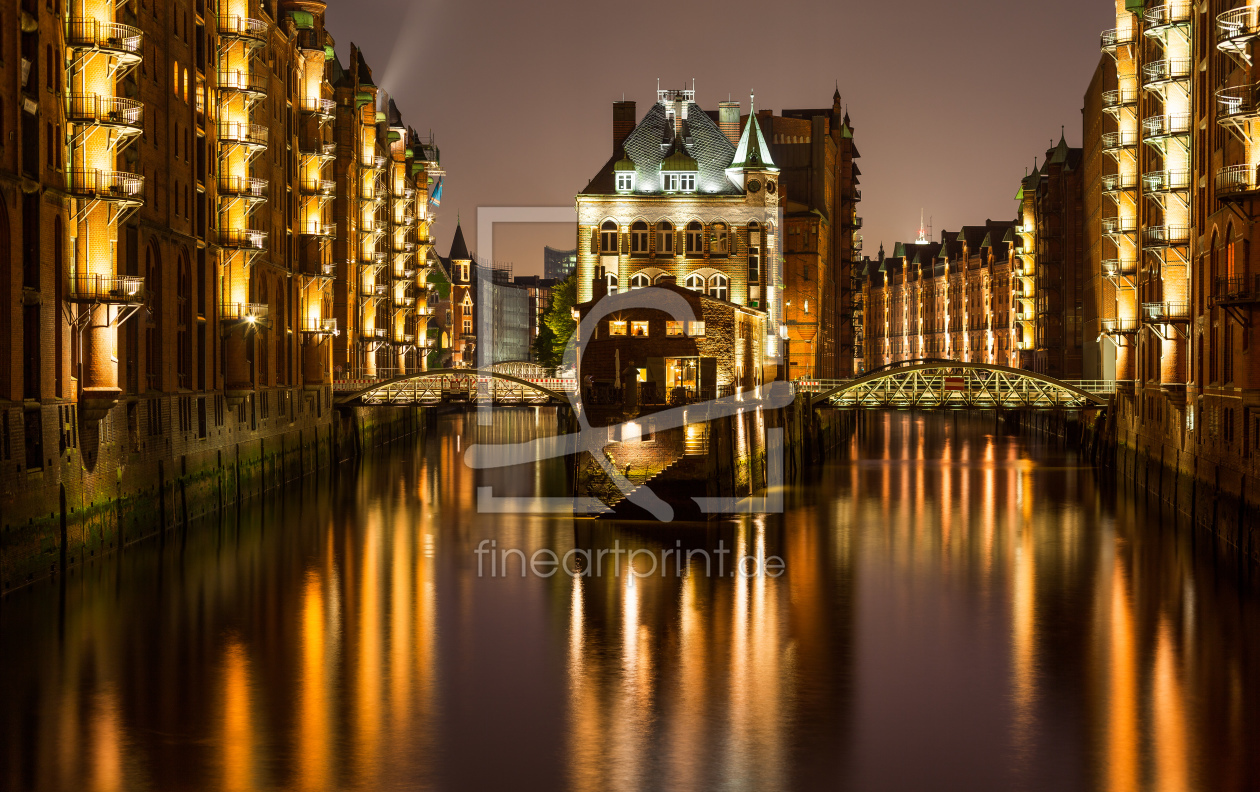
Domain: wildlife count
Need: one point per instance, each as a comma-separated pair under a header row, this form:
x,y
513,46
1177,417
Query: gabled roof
x,y
752,151
678,159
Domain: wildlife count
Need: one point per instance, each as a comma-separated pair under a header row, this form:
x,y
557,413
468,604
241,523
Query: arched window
x,y
665,238
640,281
639,238
611,280
719,287
153,328
608,238
1229,252
695,282
754,253
721,239
695,239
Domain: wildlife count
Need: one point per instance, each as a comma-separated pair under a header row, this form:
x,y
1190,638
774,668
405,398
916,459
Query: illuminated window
x,y
678,182
639,238
640,281
608,237
616,328
673,328
695,329
754,266
695,282
625,181
687,182
639,329
611,280
721,240
468,327
665,239
719,287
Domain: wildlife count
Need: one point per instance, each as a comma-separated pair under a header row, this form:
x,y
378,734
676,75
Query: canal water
x,y
954,609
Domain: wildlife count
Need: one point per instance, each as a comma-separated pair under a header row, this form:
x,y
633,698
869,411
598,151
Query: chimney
x,y
599,288
623,124
728,121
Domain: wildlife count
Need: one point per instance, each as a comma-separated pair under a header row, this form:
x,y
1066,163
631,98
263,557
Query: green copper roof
x,y
679,159
363,98
381,117
752,151
304,20
627,164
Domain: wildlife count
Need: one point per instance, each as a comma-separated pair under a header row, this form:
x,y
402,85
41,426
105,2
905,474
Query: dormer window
x,y
678,182
625,182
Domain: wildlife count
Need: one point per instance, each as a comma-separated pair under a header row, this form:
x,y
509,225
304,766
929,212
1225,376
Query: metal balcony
x,y
1166,181
1115,141
401,301
314,326
105,289
250,313
1166,312
243,82
1119,326
405,339
1236,29
250,31
1175,13
1115,268
1115,226
243,239
1161,236
122,42
1119,97
319,150
1236,181
1238,103
1237,291
1111,39
1118,182
1162,72
314,105
320,187
243,187
1160,127
89,109
102,185
319,230
244,134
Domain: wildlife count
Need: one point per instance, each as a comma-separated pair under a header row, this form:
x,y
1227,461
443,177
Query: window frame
x,y
636,326
608,238
618,327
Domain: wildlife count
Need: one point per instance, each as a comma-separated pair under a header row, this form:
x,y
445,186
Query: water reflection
x,y
959,608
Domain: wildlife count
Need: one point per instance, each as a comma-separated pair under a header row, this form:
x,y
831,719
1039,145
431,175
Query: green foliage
x,y
559,325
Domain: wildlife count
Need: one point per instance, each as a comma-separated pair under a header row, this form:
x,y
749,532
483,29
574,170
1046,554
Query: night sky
x,y
950,101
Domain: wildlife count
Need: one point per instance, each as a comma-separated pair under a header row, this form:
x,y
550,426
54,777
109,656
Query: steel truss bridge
x,y
957,385
471,386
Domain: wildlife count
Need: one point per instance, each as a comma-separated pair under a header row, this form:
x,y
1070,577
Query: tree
x,y
558,323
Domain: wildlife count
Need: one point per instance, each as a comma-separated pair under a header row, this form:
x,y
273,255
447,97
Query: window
x,y
608,238
721,240
695,329
687,182
639,329
611,280
669,182
673,328
640,281
695,239
625,181
719,288
467,326
616,328
665,238
695,282
754,266
639,238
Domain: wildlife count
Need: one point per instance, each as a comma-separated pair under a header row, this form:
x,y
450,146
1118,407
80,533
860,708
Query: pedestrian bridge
x,y
463,386
957,385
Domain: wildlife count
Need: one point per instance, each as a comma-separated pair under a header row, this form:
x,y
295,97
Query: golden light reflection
x,y
1121,741
238,726
1169,708
313,725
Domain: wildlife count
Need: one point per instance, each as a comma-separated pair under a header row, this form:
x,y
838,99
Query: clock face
x,y
770,187
754,186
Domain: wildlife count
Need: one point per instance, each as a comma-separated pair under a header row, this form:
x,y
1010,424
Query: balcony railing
x,y
319,269
320,229
1166,312
404,301
323,187
253,135
243,239
322,150
1162,126
115,111
1164,71
1237,291
1236,180
1116,38
105,185
243,29
1113,141
1166,181
121,41
108,289
1119,97
1165,235
243,187
1236,28
317,106
1119,225
1174,12
1238,102
314,326
1114,268
1114,182
242,81
1119,326
253,313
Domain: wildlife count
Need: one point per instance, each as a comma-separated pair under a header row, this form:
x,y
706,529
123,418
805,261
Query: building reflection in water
x,y
956,604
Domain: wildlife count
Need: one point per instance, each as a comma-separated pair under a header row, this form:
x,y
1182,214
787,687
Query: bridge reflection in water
x,y
957,609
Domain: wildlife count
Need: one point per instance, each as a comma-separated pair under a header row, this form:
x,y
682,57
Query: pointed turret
x,y
459,248
752,153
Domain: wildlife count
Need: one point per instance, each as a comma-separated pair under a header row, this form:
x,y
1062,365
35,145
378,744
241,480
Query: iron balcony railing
x,y
317,106
1119,97
253,313
320,229
1164,71
236,27
1115,326
242,239
242,81
1162,126
323,187
87,108
1116,38
107,185
1114,182
122,41
1165,235
1238,289
323,150
243,187
1238,102
1113,141
319,269
1119,225
1113,268
1174,12
1166,181
255,135
109,289
1236,179
1237,27
317,326
1166,311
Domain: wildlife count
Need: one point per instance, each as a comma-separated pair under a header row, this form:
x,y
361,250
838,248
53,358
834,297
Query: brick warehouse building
x,y
763,218
187,250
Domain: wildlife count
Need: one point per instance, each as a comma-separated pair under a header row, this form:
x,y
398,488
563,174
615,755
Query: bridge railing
x,y
1100,387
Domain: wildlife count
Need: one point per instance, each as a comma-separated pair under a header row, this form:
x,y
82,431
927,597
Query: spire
x,y
752,151
459,248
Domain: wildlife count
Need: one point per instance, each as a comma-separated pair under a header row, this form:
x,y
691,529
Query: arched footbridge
x,y
957,385
471,386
